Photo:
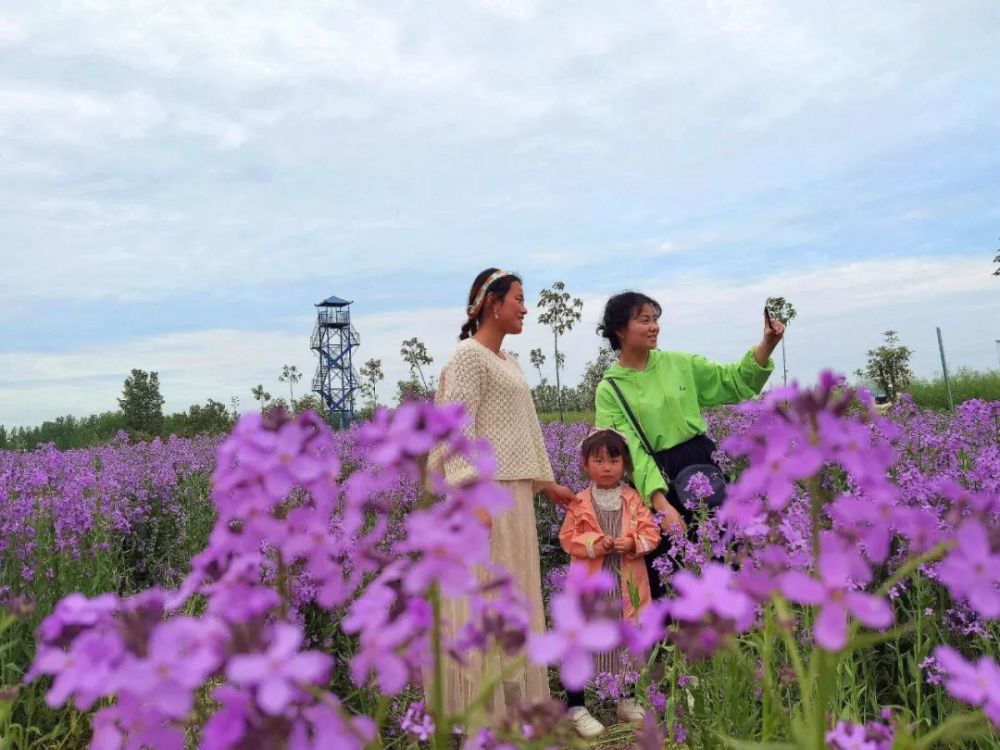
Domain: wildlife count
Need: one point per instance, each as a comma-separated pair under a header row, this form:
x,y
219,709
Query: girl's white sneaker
x,y
630,711
586,725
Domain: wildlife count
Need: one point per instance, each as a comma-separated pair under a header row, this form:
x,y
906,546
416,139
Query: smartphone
x,y
767,318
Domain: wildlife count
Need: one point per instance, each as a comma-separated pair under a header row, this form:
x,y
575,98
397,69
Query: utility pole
x,y
944,368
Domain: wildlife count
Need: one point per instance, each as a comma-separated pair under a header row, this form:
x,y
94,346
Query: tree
x,y
211,419
412,390
415,354
889,365
4,440
560,313
537,360
260,395
371,374
593,373
141,403
782,310
309,402
291,375
997,261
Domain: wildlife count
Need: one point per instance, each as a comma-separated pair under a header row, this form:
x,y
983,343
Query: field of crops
x,y
281,588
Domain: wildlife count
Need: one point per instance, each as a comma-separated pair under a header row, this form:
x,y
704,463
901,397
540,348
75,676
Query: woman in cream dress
x,y
498,400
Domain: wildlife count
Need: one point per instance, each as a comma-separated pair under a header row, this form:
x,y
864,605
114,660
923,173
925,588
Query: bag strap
x,y
632,418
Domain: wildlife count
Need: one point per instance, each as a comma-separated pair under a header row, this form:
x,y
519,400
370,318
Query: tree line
x,y
140,416
887,372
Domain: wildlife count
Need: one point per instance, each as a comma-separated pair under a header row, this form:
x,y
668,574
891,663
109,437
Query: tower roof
x,y
333,301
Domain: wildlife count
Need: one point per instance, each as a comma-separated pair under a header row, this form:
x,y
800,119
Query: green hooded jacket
x,y
667,398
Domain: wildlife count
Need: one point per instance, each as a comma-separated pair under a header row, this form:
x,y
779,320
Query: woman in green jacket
x,y
666,392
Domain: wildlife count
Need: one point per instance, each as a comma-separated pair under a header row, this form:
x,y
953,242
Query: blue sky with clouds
x,y
180,182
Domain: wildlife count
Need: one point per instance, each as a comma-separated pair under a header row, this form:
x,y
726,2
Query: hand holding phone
x,y
772,328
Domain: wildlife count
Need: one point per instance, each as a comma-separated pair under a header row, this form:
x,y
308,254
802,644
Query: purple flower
x,y
394,632
847,736
573,640
840,566
227,726
417,722
130,724
278,672
182,653
971,571
75,613
711,593
641,637
84,671
977,684
451,543
331,729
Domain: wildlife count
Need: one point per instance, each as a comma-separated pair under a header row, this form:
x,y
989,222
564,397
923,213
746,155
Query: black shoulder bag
x,y
683,478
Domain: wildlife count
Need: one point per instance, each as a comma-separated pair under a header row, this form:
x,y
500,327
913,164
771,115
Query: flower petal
x,y
831,627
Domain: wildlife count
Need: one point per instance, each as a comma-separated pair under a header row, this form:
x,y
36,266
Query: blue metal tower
x,y
333,340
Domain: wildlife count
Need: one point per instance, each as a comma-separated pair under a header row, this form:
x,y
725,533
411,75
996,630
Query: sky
x,y
181,182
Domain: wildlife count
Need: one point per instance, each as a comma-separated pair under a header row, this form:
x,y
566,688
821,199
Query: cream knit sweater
x,y
498,399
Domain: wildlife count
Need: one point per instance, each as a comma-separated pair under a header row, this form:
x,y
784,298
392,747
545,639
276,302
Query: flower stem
x,y
441,728
281,583
793,650
904,570
767,656
826,667
491,685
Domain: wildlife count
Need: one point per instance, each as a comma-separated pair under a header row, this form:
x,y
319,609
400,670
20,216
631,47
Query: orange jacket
x,y
581,532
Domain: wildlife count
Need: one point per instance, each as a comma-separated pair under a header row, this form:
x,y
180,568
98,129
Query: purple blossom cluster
x,y
87,498
833,509
875,735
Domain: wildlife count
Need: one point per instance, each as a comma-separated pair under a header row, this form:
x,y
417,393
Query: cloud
x,y
11,32
327,130
61,115
210,155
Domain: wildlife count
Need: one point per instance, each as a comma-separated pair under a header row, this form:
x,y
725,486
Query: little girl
x,y
608,527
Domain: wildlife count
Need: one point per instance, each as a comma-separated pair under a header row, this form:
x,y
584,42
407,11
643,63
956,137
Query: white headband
x,y
473,309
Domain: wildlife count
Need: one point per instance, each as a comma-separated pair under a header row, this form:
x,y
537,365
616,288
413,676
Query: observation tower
x,y
334,340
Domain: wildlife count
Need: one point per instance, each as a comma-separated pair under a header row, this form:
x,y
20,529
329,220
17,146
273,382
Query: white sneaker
x,y
631,712
586,725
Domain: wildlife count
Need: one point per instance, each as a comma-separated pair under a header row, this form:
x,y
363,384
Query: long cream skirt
x,y
514,545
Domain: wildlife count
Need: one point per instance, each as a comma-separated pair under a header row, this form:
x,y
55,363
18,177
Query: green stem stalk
x,y
441,728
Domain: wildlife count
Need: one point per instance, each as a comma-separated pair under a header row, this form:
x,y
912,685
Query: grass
x,y
966,385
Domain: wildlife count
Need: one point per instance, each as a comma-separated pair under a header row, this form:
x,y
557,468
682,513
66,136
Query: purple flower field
x,y
282,588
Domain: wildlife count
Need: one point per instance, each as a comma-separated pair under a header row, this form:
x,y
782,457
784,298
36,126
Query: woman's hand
x,y
605,545
559,494
774,330
670,515
624,544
